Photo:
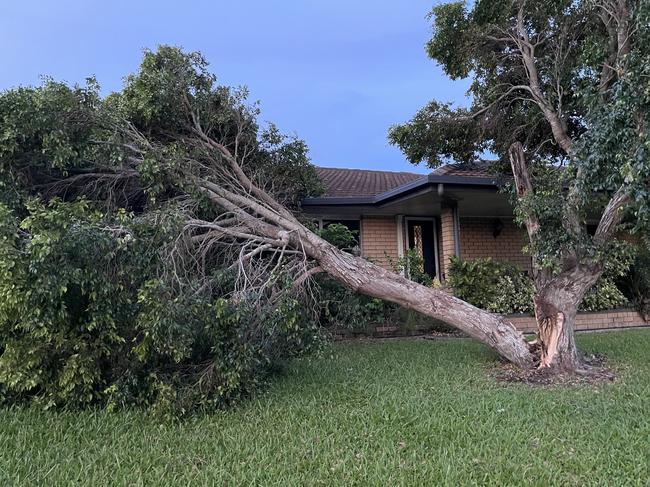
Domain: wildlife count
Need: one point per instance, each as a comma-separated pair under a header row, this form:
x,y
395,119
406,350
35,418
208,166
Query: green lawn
x,y
400,412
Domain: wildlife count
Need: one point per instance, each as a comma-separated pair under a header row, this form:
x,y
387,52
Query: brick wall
x,y
620,318
447,246
597,320
379,240
477,240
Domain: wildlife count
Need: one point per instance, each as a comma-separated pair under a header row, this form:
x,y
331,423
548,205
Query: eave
x,y
423,183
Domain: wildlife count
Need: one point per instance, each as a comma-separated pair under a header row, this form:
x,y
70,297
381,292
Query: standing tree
x,y
561,91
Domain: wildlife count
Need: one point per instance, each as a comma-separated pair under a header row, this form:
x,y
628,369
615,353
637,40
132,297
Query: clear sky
x,y
338,73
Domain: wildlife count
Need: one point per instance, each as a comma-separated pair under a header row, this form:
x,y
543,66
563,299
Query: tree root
x,y
592,370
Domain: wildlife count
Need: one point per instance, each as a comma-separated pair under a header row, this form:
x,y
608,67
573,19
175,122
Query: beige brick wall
x,y
621,318
477,240
379,240
599,320
447,246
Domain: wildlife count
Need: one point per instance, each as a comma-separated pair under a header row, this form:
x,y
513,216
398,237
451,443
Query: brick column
x,y
447,237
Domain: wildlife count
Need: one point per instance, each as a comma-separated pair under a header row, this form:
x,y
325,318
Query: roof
x,y
361,186
361,182
476,169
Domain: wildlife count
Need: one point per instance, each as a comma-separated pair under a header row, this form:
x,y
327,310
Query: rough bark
x,y
556,338
524,188
556,331
556,308
372,280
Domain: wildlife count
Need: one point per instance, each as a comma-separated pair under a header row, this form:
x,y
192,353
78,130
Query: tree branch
x,y
527,50
611,217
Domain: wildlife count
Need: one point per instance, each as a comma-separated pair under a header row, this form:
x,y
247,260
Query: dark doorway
x,y
421,237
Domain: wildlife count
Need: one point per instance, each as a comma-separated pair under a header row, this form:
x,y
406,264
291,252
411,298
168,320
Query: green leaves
x,y
498,287
450,44
604,295
503,288
339,235
438,133
94,195
86,316
526,59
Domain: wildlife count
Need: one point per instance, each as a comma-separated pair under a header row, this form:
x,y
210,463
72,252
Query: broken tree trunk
x,y
372,280
267,221
556,336
556,307
557,297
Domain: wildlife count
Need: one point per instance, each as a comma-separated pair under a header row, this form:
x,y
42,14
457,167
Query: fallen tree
x,y
172,137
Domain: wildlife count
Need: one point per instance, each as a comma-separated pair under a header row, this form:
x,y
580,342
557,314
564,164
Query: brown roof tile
x,y
361,182
477,169
341,183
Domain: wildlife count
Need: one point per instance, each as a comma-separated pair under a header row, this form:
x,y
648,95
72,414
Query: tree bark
x,y
556,308
372,280
556,335
557,297
367,278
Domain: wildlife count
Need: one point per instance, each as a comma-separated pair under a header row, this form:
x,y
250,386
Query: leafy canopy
x,y
569,81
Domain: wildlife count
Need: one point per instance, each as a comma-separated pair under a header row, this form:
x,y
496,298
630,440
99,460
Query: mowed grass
x,y
398,412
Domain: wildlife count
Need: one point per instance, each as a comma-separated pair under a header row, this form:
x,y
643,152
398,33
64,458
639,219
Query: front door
x,y
421,238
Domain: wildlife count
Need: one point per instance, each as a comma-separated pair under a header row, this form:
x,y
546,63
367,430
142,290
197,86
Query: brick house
x,y
455,210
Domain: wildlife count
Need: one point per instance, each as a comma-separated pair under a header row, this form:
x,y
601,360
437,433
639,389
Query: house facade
x,y
455,210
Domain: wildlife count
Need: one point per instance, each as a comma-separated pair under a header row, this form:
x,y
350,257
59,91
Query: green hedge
x,y
504,288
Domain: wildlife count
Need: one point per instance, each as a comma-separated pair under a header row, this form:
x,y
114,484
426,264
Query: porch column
x,y
449,235
400,236
401,241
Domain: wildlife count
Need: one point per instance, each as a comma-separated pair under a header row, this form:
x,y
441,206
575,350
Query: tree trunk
x,y
372,280
556,336
556,307
276,228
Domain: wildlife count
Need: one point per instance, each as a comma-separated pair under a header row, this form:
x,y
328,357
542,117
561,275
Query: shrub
x,y
604,295
339,306
636,283
87,317
495,286
412,265
340,236
504,288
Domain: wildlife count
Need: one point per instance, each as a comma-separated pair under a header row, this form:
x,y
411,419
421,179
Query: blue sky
x,y
337,73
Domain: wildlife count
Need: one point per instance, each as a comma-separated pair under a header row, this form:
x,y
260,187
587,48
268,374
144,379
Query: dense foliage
x,y
412,266
504,288
338,306
99,304
636,284
492,285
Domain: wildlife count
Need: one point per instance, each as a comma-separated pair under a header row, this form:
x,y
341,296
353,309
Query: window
x,y
352,225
